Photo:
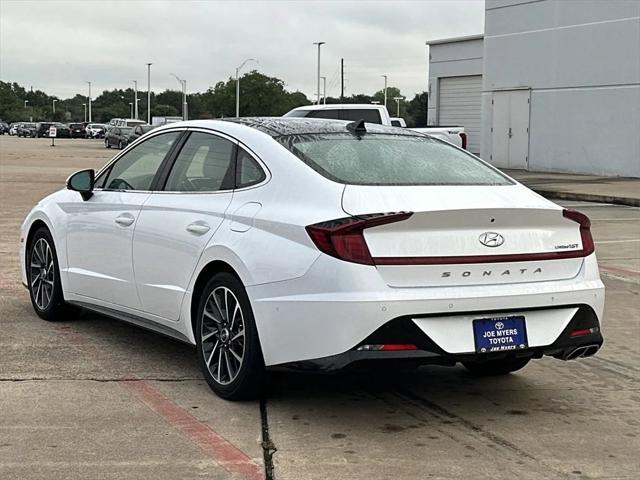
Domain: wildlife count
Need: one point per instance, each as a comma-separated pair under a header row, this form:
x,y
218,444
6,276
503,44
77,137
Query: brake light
x,y
344,238
463,137
585,230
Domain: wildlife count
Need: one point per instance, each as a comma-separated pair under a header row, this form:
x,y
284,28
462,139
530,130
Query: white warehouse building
x,y
552,85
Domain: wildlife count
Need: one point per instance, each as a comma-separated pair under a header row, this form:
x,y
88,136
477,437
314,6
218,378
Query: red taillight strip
x,y
344,239
585,235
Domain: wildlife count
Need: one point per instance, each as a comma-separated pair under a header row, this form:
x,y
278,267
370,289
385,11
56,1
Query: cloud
x,y
56,46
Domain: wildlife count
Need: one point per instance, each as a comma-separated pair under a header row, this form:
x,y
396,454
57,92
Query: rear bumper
x,y
336,305
404,331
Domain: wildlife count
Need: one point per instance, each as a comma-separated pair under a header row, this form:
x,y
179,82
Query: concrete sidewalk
x,y
589,188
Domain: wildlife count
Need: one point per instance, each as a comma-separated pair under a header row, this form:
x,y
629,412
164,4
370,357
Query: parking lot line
x,y
217,447
223,452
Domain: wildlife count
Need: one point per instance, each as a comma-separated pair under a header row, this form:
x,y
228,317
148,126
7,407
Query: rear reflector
x,y
344,239
389,347
582,332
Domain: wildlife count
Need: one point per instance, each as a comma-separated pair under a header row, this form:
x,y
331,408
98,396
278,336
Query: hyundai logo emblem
x,y
491,239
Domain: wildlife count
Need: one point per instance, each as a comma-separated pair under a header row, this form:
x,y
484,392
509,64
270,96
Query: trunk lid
x,y
467,235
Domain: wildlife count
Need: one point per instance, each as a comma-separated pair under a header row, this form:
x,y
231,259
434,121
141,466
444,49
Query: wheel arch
x,y
208,271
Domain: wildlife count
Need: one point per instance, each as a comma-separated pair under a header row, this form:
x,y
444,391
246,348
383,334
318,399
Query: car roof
x,y
280,126
335,106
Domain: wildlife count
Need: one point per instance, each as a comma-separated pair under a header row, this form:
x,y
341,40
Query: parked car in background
x,y
126,122
95,130
139,131
77,130
376,114
118,137
62,131
4,127
398,122
13,128
27,129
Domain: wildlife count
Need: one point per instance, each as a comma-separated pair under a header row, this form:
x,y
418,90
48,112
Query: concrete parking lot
x,y
96,398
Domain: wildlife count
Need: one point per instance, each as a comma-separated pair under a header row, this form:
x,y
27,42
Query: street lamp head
x,y
319,43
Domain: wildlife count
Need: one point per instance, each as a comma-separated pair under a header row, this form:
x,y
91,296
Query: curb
x,y
588,197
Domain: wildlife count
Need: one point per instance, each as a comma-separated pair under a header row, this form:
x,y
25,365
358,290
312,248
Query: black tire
x,y
248,380
496,367
48,299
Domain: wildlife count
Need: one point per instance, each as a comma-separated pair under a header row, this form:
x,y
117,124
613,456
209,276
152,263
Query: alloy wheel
x,y
223,335
41,273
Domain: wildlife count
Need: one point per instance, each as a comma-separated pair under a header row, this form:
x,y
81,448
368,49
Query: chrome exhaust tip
x,y
581,352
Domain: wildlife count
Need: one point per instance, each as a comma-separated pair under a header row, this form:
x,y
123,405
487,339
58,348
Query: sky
x,y
56,46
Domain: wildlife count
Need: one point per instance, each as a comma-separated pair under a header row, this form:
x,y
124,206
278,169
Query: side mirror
x,y
82,182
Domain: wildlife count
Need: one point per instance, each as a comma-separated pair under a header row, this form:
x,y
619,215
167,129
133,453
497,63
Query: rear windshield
x,y
369,115
386,159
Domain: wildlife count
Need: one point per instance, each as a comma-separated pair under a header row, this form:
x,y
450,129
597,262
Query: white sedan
x,y
316,244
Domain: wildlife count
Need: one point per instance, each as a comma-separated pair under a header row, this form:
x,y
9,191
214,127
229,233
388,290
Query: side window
x,y
248,171
205,164
369,115
331,114
136,169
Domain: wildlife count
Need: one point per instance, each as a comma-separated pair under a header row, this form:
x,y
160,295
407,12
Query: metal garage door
x,y
459,104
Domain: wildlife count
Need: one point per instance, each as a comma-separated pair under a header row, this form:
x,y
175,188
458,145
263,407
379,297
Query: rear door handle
x,y
198,228
125,220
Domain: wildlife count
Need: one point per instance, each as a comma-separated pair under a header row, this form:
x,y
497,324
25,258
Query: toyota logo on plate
x,y
491,239
499,325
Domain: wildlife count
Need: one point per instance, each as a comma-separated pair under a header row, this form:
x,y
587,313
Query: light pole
x,y
324,90
183,83
397,99
54,106
135,98
89,101
385,90
149,93
238,84
131,108
25,104
85,111
319,44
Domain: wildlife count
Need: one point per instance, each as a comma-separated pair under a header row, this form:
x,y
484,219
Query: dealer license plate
x,y
499,334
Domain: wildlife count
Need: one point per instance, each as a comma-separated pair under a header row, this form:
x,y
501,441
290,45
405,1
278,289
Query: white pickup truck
x,y
376,114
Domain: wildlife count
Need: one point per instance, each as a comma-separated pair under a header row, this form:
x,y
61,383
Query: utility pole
x,y
385,90
324,90
149,93
238,84
183,83
54,107
341,80
397,99
131,108
135,98
89,101
84,105
319,44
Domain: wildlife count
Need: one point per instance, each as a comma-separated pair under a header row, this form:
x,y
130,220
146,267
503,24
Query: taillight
x,y
585,230
463,137
344,238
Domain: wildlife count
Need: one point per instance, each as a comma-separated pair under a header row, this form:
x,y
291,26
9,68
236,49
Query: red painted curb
x,y
224,453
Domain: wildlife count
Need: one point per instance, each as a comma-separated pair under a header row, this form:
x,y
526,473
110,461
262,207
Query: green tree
x,y
417,110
